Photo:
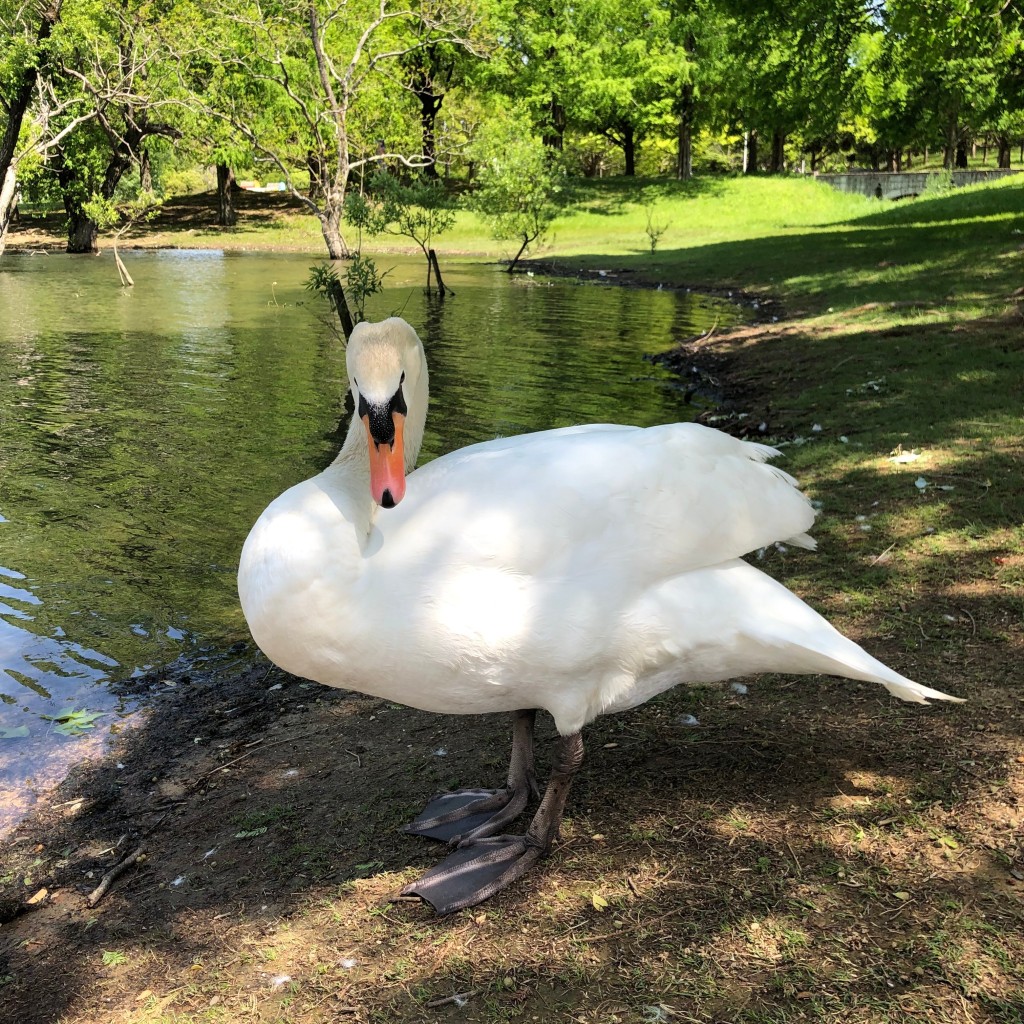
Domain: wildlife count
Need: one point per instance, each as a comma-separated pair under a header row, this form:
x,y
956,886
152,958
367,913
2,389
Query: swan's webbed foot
x,y
481,867
475,872
467,814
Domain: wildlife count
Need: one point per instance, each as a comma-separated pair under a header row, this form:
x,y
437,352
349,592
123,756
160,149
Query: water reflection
x,y
142,431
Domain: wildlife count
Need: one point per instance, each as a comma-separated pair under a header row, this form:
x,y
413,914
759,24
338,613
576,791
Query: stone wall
x,y
891,185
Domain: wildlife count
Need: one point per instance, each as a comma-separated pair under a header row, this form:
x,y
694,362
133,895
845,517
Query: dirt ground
x,y
810,850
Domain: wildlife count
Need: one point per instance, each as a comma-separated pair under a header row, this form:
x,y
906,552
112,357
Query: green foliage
x,y
185,181
653,230
122,212
73,722
324,94
940,183
517,182
362,279
419,208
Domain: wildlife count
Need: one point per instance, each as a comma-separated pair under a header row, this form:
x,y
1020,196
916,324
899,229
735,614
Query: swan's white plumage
x,y
581,570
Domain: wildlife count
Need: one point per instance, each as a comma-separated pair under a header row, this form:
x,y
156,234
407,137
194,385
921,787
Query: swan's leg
x,y
473,813
481,867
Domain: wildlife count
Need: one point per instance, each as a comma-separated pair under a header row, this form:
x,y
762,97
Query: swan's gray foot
x,y
481,867
475,872
467,814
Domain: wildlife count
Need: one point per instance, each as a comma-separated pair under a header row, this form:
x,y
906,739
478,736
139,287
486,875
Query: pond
x,y
143,430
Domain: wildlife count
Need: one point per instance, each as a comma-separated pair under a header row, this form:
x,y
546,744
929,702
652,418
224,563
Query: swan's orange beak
x,y
387,464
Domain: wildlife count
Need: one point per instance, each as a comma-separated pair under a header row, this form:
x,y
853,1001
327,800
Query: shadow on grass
x,y
270,827
1001,201
610,196
935,251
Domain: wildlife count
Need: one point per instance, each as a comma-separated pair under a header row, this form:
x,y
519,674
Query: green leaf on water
x,y
73,722
18,732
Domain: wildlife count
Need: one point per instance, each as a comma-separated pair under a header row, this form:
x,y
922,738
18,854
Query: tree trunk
x,y
890,160
684,155
961,156
24,91
908,163
814,159
750,166
778,162
949,151
1004,152
629,149
227,215
430,104
145,171
442,288
512,266
554,138
82,232
8,194
340,303
330,225
317,175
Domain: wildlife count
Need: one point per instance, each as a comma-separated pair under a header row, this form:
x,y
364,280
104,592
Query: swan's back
x,y
660,501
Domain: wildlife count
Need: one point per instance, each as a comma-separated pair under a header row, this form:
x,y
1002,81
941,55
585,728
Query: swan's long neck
x,y
353,461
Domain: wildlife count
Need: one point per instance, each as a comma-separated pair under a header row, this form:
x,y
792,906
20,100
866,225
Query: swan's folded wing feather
x,y
631,503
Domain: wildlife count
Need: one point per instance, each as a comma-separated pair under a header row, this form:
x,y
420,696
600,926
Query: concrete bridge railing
x,y
900,185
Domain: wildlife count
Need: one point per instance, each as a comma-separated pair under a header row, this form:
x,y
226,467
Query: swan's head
x,y
386,371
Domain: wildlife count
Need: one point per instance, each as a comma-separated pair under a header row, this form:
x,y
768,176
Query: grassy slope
x,y
811,853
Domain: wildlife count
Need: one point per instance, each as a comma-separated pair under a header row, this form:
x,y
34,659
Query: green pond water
x,y
143,430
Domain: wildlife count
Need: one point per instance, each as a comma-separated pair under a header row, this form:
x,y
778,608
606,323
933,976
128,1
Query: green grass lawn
x,y
805,242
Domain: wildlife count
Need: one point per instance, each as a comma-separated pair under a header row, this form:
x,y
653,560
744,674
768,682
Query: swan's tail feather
x,y
835,654
812,644
760,452
918,694
803,540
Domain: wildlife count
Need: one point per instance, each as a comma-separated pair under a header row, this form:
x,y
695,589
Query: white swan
x,y
578,571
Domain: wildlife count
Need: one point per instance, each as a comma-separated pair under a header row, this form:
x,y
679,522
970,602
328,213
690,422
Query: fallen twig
x,y
459,997
113,875
881,555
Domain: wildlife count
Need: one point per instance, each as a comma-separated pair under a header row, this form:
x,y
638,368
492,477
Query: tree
x,y
418,209
959,51
25,93
306,84
625,84
792,66
112,57
699,30
517,182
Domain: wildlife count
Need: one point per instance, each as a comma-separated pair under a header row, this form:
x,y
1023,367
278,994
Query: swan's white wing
x,y
636,505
